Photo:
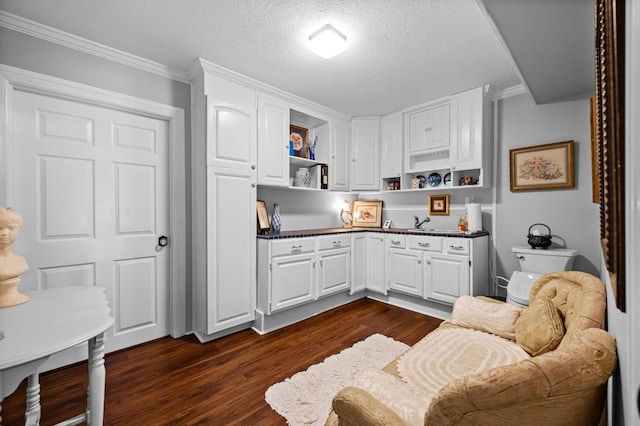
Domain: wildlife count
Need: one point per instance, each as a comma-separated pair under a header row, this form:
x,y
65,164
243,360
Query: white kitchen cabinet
x,y
427,141
368,258
447,267
293,281
273,141
359,264
391,145
470,115
224,180
334,271
231,131
365,154
446,277
231,262
340,156
403,266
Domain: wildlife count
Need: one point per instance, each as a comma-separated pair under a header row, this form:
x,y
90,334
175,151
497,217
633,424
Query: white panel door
x,y
92,186
273,141
365,154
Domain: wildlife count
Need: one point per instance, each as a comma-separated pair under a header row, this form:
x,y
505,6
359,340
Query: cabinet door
x,y
334,273
467,114
359,258
404,271
339,164
446,277
428,129
231,124
231,249
391,145
273,141
292,281
375,263
365,154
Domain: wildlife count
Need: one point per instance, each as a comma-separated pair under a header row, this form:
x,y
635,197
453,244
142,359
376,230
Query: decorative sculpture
x,y
12,266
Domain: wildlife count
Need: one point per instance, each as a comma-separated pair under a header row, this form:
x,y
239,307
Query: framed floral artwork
x,y
367,214
549,166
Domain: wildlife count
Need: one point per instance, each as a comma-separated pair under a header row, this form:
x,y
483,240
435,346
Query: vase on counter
x,y
275,219
302,178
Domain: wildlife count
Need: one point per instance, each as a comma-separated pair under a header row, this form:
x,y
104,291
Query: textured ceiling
x,y
401,52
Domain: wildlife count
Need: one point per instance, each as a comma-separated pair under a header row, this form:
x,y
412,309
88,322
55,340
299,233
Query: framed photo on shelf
x,y
439,204
263,217
367,214
548,166
298,141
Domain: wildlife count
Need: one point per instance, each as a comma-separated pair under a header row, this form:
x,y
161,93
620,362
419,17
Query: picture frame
x,y
263,217
298,141
595,152
548,166
439,204
367,214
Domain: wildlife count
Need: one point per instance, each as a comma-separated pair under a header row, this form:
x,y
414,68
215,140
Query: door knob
x,y
163,241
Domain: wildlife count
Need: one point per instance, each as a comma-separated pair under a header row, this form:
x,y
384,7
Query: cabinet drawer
x,y
425,243
396,241
456,246
330,242
293,246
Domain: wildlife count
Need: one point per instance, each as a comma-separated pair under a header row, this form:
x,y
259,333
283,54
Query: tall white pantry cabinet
x,y
224,159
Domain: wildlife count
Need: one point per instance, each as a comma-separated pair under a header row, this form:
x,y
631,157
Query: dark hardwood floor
x,y
182,382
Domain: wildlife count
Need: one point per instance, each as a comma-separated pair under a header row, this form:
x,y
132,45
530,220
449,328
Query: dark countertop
x,y
403,231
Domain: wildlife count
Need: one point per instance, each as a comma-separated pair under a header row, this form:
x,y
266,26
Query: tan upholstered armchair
x,y
565,385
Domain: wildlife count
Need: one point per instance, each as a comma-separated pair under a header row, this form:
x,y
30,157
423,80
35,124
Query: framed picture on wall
x,y
439,204
298,141
548,166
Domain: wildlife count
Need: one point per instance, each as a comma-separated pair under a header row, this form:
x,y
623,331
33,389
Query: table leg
x,y
33,411
97,375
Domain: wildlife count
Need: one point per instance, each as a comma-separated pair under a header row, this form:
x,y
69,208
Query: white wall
x,y
570,213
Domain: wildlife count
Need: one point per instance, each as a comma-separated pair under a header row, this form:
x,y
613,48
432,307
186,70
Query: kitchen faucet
x,y
418,224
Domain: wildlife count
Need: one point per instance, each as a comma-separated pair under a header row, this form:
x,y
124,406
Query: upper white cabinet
x,y
427,137
340,154
273,141
365,154
391,145
231,132
469,129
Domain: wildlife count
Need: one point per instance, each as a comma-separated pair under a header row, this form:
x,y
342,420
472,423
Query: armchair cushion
x,y
483,315
540,328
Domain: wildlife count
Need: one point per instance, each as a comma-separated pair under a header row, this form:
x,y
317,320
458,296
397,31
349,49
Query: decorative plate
x,y
434,179
423,181
447,179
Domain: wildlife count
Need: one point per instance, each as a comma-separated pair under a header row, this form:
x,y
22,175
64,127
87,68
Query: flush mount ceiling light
x,y
327,42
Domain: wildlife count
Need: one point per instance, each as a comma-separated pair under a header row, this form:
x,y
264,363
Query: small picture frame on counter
x,y
263,217
367,214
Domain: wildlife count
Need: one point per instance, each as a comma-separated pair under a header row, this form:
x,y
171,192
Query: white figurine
x,y
11,265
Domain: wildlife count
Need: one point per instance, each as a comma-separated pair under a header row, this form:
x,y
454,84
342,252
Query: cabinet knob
x,y
253,184
420,261
428,262
428,129
253,167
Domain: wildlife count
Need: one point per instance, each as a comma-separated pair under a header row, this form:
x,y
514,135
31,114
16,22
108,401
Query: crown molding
x,y
43,32
509,92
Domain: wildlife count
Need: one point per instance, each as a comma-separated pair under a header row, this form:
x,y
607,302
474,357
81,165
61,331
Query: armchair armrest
x,y
356,406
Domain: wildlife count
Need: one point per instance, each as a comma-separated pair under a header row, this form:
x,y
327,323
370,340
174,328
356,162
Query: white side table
x,y
52,321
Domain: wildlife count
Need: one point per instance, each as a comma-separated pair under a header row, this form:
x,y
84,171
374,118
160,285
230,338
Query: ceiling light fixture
x,y
327,42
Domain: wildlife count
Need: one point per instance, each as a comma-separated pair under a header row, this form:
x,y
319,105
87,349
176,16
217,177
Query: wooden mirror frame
x,y
610,110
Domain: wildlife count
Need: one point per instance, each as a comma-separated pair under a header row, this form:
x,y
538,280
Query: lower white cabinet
x,y
439,269
294,271
367,264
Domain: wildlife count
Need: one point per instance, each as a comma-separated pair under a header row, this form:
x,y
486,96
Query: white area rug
x,y
305,398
